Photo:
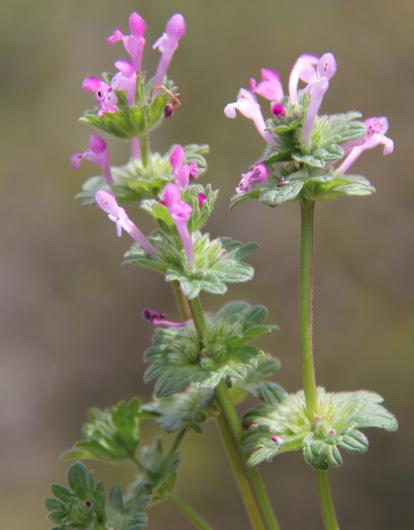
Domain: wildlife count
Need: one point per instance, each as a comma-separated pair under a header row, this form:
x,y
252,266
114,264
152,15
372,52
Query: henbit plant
x,y
204,364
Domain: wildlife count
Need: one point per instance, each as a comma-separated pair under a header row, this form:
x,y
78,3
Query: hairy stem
x,y
189,512
306,341
145,149
250,484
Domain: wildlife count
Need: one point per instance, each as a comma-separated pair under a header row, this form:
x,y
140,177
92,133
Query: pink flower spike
x,y
167,44
372,141
303,70
248,106
97,153
269,87
107,202
317,92
258,174
180,212
160,319
133,43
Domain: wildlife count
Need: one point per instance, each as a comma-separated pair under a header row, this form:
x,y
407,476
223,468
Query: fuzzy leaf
x,y
111,434
216,262
175,358
339,418
326,187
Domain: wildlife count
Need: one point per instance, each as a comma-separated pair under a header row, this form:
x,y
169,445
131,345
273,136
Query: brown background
x,y
71,336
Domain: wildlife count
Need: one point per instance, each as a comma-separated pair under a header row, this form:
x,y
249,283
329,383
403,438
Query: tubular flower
x,y
125,80
258,174
107,202
180,212
248,105
104,94
167,44
97,153
160,319
133,43
376,128
182,172
269,87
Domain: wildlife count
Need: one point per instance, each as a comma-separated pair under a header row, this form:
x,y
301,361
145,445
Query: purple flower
x,y
248,105
97,153
107,202
133,43
278,110
104,94
376,128
258,174
180,211
182,172
160,319
202,197
125,80
167,45
269,87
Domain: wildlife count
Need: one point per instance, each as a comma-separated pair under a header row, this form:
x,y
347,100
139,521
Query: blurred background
x,y
71,334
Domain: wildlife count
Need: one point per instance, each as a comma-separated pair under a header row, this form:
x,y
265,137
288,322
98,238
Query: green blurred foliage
x,y
71,333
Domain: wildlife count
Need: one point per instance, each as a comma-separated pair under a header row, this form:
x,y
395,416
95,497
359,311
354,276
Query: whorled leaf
x,y
82,505
176,359
193,407
284,426
109,435
217,262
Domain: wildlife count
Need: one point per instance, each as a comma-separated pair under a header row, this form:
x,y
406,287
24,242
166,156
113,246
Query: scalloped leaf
x,y
284,426
216,262
327,187
175,358
109,435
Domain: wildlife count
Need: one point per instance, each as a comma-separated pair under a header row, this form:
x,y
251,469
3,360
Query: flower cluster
x,y
309,146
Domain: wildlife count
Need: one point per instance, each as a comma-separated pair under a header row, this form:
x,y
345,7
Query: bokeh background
x,y
71,335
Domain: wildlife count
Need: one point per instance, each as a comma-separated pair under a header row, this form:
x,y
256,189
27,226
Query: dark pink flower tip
x,y
175,27
168,110
201,199
278,109
97,144
150,315
137,25
171,195
277,439
176,157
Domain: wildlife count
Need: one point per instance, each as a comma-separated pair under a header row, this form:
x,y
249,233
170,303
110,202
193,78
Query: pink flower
x,y
182,172
180,212
269,87
167,44
125,80
375,135
133,43
201,199
104,94
97,153
248,105
160,319
107,202
258,174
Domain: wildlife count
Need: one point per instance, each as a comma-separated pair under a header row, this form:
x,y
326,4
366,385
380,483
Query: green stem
x,y
250,483
327,505
306,340
191,514
181,301
145,149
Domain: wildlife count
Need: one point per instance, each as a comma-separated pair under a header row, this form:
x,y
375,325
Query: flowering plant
x,y
205,364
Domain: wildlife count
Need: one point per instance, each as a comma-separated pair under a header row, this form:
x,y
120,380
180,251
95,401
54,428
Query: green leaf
x,y
275,196
175,358
109,435
326,187
339,418
216,262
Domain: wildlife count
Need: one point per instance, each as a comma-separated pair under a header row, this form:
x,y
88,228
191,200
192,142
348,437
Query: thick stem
x,y
250,484
306,340
191,514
